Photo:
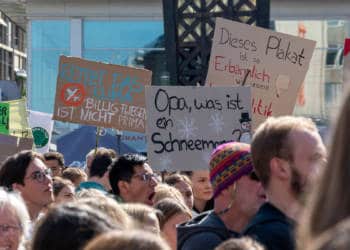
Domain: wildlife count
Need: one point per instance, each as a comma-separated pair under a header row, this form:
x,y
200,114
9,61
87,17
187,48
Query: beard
x,y
298,185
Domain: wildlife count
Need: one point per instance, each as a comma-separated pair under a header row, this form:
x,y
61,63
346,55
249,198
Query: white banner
x,y
41,125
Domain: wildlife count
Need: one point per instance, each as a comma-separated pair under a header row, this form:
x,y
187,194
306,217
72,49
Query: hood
x,y
205,222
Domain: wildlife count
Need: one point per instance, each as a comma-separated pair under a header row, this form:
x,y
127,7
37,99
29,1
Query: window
x,y
49,40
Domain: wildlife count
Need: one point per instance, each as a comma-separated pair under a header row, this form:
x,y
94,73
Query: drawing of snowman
x,y
244,134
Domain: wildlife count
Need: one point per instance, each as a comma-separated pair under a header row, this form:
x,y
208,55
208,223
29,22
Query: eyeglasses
x,y
7,229
39,176
253,176
147,177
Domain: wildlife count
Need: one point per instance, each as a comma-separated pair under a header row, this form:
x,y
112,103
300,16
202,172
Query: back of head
x,y
100,163
69,226
170,207
13,169
123,169
145,217
244,243
75,175
131,240
228,163
271,140
109,207
163,191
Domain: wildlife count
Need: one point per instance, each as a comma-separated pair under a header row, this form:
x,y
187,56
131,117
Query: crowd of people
x,y
283,191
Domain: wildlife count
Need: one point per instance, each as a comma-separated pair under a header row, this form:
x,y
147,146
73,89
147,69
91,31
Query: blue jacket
x,y
206,231
272,228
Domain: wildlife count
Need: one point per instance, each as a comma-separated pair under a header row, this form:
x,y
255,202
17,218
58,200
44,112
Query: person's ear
x,y
17,187
123,187
280,168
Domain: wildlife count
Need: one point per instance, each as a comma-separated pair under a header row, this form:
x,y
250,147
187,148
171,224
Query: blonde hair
x,y
163,191
89,193
131,240
109,207
244,243
140,214
170,207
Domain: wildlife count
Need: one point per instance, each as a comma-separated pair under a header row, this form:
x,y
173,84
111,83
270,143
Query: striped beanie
x,y
228,163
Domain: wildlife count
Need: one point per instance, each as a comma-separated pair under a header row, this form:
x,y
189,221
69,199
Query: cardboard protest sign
x,y
185,124
17,118
10,145
100,94
274,64
4,118
346,62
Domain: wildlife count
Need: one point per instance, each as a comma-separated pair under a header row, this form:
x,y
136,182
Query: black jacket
x,y
272,228
206,231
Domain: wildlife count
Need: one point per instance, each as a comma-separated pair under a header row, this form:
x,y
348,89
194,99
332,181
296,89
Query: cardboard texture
x,y
185,124
100,94
10,145
274,64
346,64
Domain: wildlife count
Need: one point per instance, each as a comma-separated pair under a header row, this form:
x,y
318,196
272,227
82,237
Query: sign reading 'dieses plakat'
x,y
274,64
185,124
101,94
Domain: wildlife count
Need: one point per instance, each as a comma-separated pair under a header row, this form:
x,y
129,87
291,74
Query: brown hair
x,y
271,140
55,156
59,183
170,207
75,175
131,240
176,178
329,203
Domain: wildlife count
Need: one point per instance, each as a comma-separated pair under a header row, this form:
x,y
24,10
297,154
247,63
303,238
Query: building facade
x,y
13,57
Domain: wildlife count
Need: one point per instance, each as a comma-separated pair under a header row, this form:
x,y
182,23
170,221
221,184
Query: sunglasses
x,y
253,176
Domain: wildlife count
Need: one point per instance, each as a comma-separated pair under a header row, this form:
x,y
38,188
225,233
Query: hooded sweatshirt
x,y
206,231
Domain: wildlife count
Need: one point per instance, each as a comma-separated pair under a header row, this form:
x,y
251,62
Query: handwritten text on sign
x,y
185,124
101,94
274,64
4,118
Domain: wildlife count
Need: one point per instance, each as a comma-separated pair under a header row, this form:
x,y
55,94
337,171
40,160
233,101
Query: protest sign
x,y
18,118
100,94
185,124
4,118
41,125
346,63
10,145
274,64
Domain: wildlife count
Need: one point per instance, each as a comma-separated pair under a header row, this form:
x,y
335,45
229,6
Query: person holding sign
x,y
287,153
238,195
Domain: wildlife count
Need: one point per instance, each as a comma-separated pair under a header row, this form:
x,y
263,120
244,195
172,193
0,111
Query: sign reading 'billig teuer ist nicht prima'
x,y
185,124
100,94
